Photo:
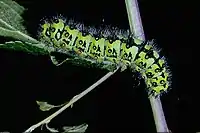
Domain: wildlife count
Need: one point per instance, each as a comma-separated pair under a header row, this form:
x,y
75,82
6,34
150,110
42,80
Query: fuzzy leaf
x,y
10,15
22,46
44,106
8,32
11,22
53,130
14,5
75,129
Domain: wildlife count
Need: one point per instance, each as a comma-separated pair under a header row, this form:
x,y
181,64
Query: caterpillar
x,y
110,48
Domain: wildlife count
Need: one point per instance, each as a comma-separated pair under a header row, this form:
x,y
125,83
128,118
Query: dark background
x,y
115,105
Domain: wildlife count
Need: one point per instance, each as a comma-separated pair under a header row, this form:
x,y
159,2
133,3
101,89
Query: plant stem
x,y
71,102
137,28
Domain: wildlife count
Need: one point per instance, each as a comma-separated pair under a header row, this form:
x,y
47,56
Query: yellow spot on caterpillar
x,y
112,51
96,49
159,89
128,54
144,61
146,57
161,79
45,34
69,36
82,44
56,32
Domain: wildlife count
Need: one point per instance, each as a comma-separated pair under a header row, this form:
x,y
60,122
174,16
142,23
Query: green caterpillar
x,y
110,47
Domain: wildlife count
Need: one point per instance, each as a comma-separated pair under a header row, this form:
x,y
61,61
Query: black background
x,y
115,105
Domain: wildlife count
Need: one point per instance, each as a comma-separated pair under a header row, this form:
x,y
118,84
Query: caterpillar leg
x,y
55,61
110,67
123,65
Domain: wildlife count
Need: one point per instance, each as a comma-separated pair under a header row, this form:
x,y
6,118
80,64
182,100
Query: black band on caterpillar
x,y
109,47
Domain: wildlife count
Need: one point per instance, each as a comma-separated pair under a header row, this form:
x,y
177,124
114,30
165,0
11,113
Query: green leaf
x,y
44,106
11,22
26,47
70,129
53,130
75,129
10,16
16,35
14,5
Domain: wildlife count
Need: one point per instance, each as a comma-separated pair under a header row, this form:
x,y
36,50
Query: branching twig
x,y
73,100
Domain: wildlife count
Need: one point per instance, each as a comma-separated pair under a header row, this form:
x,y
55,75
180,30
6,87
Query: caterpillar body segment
x,y
110,49
96,49
57,29
44,33
79,46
